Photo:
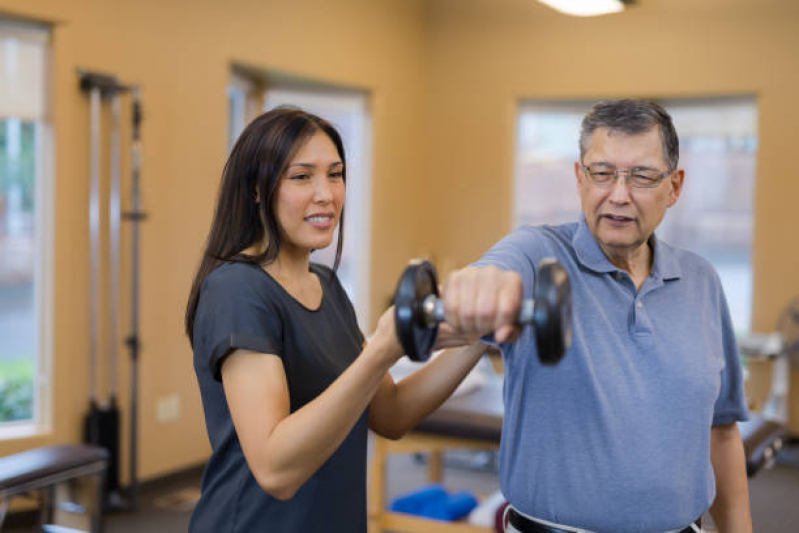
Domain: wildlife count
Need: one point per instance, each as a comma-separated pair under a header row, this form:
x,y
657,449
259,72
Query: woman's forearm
x,y
298,445
399,407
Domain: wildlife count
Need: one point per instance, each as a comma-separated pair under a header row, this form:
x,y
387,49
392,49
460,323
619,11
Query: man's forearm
x,y
730,510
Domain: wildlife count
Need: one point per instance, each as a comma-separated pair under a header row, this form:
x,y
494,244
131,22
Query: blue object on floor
x,y
414,502
433,501
453,507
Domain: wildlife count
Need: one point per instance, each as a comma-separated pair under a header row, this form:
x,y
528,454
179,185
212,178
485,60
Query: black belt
x,y
525,525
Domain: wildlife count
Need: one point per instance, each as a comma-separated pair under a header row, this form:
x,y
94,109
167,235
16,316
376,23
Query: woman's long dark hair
x,y
259,158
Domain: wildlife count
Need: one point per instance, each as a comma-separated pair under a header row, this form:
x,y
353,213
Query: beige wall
x,y
180,53
445,78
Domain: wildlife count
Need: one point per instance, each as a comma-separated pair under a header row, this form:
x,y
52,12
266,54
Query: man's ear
x,y
578,174
676,181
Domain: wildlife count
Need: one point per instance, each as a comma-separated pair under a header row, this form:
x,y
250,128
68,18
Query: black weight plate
x,y
552,313
416,283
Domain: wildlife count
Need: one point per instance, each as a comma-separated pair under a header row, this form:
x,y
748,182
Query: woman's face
x,y
310,195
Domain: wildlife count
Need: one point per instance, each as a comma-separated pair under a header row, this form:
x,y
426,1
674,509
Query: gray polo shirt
x,y
616,438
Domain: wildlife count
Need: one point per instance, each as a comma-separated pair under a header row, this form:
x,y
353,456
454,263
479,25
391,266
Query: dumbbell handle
x,y
433,311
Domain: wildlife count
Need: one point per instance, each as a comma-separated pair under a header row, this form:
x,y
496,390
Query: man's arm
x,y
730,510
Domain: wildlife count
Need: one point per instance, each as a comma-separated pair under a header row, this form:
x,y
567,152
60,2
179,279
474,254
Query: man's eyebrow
x,y
606,164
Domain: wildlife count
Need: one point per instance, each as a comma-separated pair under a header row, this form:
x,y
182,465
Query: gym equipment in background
x,y
102,423
766,433
418,310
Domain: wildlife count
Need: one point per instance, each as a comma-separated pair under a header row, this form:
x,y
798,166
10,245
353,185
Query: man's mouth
x,y
618,218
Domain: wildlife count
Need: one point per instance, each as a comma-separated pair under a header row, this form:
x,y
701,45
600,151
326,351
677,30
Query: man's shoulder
x,y
687,258
692,265
543,233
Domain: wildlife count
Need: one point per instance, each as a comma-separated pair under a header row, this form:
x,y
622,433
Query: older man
x,y
635,430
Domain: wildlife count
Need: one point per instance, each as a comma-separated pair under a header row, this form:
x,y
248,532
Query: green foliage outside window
x,y
16,390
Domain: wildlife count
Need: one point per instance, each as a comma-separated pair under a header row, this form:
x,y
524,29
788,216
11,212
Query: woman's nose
x,y
322,190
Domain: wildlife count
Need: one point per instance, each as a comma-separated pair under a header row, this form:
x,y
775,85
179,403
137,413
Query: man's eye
x,y
603,175
643,178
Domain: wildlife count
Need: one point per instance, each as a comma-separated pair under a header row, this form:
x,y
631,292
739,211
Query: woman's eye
x,y
300,176
337,175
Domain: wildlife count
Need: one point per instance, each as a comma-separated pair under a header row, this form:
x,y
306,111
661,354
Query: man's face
x,y
622,217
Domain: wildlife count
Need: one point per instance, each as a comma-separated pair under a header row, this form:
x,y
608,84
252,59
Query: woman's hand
x,y
448,337
385,337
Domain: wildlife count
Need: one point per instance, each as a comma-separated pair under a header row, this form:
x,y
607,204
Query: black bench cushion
x,y
34,464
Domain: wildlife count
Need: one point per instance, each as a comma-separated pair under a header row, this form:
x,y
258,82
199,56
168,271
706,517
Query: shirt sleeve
x,y
513,253
233,313
731,403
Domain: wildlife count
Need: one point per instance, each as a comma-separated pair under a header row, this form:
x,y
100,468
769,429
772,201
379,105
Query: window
x,y
348,110
714,217
25,228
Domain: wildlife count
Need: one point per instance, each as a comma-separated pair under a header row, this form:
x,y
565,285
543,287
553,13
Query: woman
x,y
289,387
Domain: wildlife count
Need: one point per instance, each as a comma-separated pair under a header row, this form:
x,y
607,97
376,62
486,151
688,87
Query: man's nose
x,y
620,189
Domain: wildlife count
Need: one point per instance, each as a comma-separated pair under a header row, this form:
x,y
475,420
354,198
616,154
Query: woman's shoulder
x,y
328,277
324,272
232,271
235,278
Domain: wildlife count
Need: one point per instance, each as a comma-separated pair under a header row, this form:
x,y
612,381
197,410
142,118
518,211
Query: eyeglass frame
x,y
627,179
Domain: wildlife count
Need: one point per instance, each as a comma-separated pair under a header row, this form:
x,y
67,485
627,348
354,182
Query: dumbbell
x,y
418,310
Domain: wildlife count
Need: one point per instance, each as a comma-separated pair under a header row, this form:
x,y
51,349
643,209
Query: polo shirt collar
x,y
665,265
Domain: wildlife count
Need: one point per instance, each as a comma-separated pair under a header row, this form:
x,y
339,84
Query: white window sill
x,y
19,430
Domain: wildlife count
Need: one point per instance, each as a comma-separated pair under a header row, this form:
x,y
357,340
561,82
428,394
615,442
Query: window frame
x,y
41,422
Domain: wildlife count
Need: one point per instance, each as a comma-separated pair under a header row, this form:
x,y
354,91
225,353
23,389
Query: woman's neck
x,y
290,266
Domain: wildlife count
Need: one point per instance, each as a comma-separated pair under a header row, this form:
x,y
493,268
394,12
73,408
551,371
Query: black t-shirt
x,y
243,307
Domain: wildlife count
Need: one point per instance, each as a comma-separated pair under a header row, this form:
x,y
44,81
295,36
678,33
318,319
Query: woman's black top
x,y
242,307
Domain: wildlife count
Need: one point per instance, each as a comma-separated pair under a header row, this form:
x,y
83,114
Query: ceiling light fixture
x,y
588,8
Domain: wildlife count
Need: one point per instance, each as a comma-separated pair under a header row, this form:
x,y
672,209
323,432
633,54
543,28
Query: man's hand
x,y
482,300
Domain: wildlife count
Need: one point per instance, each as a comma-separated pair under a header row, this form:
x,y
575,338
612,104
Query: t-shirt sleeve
x,y
232,314
731,403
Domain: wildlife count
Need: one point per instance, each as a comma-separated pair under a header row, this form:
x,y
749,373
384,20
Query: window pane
x,y
18,321
23,59
348,112
714,217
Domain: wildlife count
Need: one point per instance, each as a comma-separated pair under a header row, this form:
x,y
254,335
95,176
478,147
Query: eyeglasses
x,y
640,178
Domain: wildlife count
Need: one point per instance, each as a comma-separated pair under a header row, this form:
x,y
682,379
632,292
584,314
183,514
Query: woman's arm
x,y
398,407
283,449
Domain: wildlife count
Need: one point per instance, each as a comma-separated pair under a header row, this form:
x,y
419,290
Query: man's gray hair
x,y
632,117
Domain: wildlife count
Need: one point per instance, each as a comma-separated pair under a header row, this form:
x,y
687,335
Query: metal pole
x,y
135,216
113,223
94,235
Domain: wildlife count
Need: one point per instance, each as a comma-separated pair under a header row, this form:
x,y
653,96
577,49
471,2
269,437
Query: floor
x,y
165,506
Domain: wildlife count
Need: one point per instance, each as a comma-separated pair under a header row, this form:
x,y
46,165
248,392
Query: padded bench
x,y
762,439
44,468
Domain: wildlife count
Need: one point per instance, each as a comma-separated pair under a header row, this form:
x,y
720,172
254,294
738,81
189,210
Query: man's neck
x,y
636,262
